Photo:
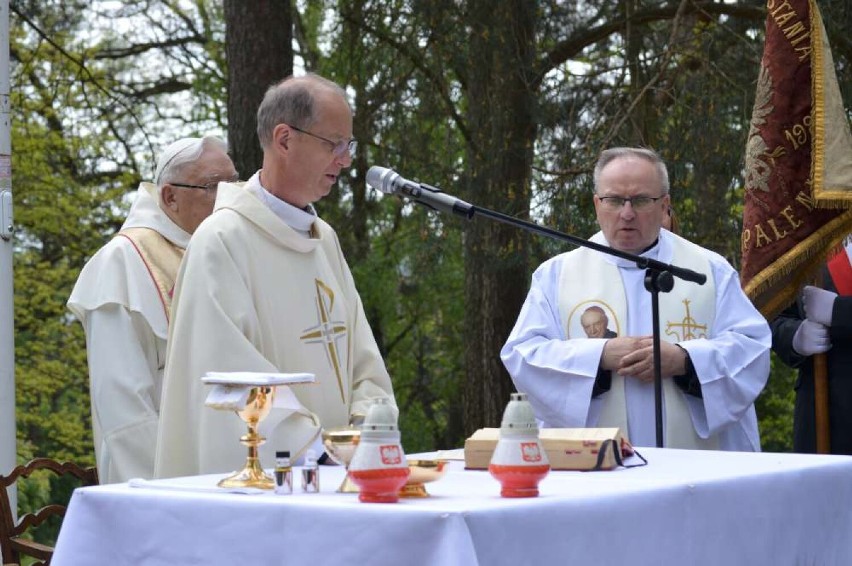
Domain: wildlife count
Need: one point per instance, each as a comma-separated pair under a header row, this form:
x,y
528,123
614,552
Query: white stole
x,y
588,280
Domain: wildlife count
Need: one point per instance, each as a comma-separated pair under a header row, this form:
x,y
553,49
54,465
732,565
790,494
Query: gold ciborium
x,y
422,471
257,408
340,444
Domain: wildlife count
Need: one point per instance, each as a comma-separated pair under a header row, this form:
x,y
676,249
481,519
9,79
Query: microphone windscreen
x,y
381,178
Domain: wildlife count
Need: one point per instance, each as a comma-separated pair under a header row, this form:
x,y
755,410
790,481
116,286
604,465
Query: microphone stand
x,y
659,277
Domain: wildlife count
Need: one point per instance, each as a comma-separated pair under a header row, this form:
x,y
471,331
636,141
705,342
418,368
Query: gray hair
x,y
609,155
181,153
291,101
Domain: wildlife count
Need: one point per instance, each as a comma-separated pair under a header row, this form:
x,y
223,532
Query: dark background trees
x,y
504,104
259,52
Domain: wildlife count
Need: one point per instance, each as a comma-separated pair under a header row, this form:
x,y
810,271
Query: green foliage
x,y
92,104
421,335
407,263
79,106
53,417
77,143
775,408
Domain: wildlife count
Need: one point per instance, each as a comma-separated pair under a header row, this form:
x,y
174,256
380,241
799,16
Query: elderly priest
x,y
123,297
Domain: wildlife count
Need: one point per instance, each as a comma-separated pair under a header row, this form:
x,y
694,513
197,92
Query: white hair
x,y
607,156
181,153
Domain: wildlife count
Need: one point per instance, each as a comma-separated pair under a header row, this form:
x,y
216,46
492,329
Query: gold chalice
x,y
422,471
257,408
340,444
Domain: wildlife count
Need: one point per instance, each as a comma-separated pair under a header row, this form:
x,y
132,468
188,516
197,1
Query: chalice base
x,y
414,490
347,485
250,476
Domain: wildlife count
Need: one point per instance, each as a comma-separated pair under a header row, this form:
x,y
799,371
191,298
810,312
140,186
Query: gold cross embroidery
x,y
687,326
327,332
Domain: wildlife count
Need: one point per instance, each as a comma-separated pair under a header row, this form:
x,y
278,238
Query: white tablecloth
x,y
685,507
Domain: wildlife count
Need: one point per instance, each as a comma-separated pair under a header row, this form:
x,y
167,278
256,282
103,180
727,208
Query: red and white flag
x,y
798,165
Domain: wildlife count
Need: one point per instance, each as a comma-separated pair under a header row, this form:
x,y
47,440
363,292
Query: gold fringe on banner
x,y
798,164
775,287
832,180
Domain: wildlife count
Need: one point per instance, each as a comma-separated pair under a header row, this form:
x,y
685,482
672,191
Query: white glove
x,y
818,304
811,338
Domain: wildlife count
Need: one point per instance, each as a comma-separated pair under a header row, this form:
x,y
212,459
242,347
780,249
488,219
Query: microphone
x,y
391,183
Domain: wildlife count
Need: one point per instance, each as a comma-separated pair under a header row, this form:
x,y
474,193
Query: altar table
x,y
684,507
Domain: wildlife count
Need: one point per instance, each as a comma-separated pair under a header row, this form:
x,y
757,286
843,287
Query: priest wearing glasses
x,y
123,297
265,288
714,343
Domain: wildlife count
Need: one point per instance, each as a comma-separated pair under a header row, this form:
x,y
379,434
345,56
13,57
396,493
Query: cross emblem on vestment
x,y
687,327
327,332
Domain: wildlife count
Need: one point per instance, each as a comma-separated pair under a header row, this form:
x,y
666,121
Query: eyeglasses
x,y
338,148
638,203
211,187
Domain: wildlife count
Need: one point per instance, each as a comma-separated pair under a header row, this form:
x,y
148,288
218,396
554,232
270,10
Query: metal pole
x,y
8,449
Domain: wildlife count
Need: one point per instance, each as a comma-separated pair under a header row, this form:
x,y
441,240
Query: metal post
x,y
8,449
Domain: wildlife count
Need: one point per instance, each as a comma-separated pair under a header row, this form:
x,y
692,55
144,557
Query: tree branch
x,y
667,55
139,48
420,64
573,46
85,72
310,55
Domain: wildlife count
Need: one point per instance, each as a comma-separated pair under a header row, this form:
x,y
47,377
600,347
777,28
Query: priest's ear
x,y
281,137
168,198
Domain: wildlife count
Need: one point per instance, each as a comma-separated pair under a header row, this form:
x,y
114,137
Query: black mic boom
x,y
390,182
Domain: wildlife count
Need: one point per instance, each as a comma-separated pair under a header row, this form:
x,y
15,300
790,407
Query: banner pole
x,y
823,436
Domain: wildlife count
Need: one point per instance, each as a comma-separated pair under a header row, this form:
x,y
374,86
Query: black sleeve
x,y
784,327
603,382
841,321
688,382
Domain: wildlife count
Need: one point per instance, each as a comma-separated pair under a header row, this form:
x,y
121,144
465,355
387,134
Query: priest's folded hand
x,y
640,363
616,349
811,338
818,304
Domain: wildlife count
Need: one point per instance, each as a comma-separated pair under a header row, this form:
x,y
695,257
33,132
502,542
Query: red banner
x,y
798,165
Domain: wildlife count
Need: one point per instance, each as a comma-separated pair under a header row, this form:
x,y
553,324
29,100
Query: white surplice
x,y
558,373
126,328
255,295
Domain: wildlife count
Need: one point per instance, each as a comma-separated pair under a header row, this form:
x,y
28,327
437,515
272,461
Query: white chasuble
x,y
122,298
591,283
255,295
550,357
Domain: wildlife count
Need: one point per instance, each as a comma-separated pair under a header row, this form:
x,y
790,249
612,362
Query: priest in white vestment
x,y
714,343
264,287
122,298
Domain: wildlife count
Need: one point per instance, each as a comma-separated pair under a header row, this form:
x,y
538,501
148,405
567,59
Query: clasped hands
x,y
812,336
634,356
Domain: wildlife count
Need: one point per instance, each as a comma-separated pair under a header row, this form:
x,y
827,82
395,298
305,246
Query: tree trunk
x,y
259,49
354,233
500,115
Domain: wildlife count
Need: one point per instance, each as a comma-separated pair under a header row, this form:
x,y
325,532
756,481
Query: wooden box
x,y
567,448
